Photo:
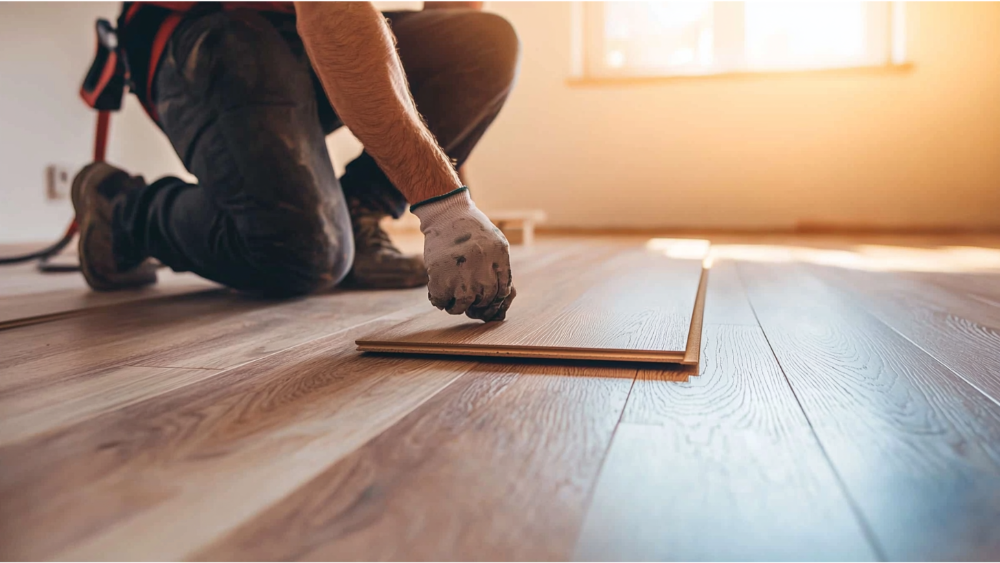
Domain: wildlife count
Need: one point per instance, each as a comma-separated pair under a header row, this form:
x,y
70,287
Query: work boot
x,y
95,190
378,264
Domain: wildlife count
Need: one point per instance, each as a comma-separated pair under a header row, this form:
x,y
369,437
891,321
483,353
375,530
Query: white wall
x,y
45,50
916,149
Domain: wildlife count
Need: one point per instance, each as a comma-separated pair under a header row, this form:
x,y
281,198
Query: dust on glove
x,y
467,258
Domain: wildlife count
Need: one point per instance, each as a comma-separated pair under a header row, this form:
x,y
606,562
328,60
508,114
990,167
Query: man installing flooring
x,y
246,94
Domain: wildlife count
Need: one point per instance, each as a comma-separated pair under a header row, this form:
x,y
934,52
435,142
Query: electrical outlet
x,y
58,180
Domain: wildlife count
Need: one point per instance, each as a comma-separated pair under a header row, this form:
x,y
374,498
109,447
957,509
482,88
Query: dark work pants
x,y
240,103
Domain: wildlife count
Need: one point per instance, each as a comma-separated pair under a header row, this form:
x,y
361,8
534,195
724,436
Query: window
x,y
628,39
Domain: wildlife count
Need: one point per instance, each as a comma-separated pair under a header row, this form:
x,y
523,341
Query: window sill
x,y
611,81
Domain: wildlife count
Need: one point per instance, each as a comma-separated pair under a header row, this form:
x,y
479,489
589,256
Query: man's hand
x,y
468,259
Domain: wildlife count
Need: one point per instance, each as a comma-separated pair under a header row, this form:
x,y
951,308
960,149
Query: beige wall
x,y
921,148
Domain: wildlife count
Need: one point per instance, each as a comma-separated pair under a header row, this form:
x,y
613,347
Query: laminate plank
x,y
917,448
629,299
495,467
692,350
984,287
30,308
86,366
26,279
961,332
32,413
161,478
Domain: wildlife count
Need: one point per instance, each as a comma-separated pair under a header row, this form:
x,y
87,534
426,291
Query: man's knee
x,y
307,254
500,47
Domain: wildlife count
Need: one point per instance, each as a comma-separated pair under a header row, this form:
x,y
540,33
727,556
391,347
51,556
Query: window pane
x,y
783,35
658,37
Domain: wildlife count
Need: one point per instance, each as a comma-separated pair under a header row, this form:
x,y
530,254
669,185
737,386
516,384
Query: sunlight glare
x,y
690,249
871,258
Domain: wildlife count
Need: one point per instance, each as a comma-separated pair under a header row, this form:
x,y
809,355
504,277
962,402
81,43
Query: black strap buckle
x,y
104,86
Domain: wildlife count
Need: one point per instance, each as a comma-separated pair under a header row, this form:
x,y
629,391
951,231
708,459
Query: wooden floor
x,y
847,406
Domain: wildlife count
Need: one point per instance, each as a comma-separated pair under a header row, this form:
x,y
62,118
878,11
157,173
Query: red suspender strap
x,y
159,44
101,136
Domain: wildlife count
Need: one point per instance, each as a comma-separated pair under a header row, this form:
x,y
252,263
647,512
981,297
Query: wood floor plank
x,y
160,478
29,308
633,299
917,448
961,332
720,466
77,368
41,410
496,467
983,286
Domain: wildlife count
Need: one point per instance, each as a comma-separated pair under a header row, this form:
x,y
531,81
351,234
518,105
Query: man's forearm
x,y
353,52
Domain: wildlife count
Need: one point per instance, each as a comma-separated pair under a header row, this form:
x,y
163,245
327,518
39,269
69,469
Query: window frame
x,y
729,58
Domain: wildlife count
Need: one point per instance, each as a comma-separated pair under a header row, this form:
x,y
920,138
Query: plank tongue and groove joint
x,y
631,302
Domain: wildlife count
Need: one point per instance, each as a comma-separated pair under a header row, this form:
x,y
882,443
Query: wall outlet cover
x,y
58,179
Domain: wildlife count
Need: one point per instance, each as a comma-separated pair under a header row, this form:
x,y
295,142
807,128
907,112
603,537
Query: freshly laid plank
x,y
692,350
634,303
498,466
162,477
722,466
916,447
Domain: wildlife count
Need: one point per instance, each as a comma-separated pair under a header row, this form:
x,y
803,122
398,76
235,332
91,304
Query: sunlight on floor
x,y
692,249
869,257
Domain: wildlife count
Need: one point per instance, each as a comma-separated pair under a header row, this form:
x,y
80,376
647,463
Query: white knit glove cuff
x,y
467,258
448,208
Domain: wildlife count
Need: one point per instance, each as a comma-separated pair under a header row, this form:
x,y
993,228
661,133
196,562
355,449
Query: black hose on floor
x,y
44,254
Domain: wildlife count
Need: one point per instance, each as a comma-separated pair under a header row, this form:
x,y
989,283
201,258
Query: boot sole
x,y
139,277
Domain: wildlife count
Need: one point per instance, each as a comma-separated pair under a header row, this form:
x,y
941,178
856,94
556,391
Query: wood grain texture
x,y
116,444
983,286
126,484
621,300
722,466
30,308
41,410
81,367
958,330
495,467
917,448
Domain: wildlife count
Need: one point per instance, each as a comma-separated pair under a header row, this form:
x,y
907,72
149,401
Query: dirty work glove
x,y
467,258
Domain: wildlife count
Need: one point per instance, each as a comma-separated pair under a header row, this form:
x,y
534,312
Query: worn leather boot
x,y
95,188
378,264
